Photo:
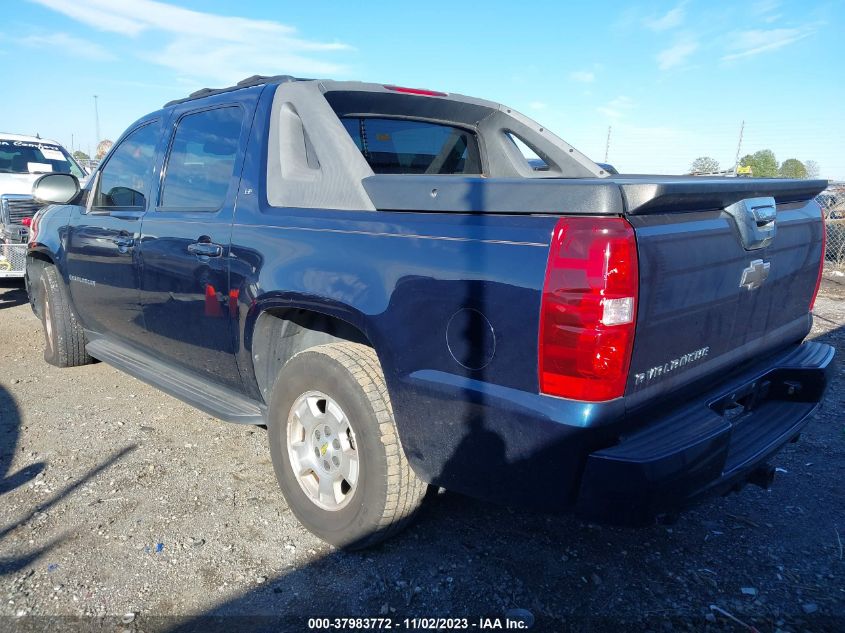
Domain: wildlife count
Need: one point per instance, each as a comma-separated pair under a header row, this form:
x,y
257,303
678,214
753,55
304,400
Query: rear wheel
x,y
335,449
63,334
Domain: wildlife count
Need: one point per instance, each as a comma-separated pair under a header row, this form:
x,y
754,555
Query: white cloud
x,y
754,42
676,55
538,105
761,7
669,20
65,44
89,13
616,108
765,9
223,48
584,76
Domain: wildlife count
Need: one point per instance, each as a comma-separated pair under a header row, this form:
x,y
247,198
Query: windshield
x,y
25,157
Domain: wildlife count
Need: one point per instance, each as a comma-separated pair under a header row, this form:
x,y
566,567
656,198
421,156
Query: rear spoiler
x,y
664,194
588,196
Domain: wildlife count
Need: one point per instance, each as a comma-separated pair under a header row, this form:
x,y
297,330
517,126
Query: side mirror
x,y
55,188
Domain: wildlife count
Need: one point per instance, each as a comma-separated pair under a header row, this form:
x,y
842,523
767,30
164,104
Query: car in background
x,y
832,202
23,159
610,169
538,164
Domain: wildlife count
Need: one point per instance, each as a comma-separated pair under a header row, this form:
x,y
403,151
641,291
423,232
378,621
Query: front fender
x,y
51,239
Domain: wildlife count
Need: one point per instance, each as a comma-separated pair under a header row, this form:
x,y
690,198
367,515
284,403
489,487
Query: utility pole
x,y
739,147
96,120
607,145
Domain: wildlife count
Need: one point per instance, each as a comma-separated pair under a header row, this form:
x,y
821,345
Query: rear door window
x,y
401,146
202,160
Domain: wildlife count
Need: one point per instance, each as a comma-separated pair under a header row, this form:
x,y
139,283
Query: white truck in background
x,y
22,160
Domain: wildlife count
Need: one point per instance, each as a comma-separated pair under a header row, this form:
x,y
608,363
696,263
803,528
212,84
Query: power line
x,y
96,119
739,147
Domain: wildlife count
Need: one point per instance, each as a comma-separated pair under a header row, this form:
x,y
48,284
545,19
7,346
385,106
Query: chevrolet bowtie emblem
x,y
754,276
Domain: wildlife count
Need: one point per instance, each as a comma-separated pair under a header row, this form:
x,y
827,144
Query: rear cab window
x,y
406,146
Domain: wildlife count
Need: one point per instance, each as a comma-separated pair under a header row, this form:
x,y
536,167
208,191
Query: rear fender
x,y
252,312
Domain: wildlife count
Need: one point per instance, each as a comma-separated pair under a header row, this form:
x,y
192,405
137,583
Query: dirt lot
x,y
118,501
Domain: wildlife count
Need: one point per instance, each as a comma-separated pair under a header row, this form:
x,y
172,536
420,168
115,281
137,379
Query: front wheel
x,y
63,333
335,449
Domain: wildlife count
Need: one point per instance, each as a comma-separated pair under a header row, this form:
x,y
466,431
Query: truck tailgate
x,y
710,298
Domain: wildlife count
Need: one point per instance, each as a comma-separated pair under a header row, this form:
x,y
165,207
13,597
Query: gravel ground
x,y
120,502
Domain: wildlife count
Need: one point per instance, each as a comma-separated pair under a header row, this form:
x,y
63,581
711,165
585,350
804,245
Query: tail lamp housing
x,y
588,309
821,264
33,226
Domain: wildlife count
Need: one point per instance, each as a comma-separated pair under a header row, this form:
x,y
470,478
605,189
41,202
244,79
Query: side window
x,y
124,181
202,160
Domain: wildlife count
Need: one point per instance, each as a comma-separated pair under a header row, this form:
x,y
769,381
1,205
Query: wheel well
x,y
41,257
281,334
36,259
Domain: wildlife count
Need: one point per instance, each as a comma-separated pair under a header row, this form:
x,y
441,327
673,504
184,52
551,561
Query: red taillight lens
x,y
417,91
588,309
821,264
33,227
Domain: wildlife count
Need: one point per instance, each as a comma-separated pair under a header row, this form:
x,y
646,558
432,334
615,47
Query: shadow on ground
x,y
10,421
12,293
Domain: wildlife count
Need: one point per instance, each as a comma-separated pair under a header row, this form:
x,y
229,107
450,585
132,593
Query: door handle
x,y
124,244
205,249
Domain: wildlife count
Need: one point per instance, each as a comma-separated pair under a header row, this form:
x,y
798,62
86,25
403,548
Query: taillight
x,y
821,264
588,309
417,91
33,226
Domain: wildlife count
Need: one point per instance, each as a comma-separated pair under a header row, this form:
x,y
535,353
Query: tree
x,y
80,155
103,148
793,168
812,168
704,165
763,163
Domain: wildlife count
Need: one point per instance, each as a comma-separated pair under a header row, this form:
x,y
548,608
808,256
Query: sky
x,y
669,81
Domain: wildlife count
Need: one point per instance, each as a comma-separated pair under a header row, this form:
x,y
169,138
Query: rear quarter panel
x,y
441,298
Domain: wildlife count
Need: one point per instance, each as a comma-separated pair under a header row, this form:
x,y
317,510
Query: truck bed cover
x,y
631,195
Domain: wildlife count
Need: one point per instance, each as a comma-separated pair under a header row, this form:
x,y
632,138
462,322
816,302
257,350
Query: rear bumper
x,y
708,446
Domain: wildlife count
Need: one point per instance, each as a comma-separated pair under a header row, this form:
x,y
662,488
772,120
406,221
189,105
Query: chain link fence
x,y
832,201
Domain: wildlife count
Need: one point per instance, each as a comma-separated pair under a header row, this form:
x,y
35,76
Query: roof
x,y
28,139
255,80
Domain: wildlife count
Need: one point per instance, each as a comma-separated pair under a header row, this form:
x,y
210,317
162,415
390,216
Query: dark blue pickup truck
x,y
380,276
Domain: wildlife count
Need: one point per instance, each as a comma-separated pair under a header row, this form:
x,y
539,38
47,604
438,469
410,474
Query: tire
x,y
63,334
377,496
